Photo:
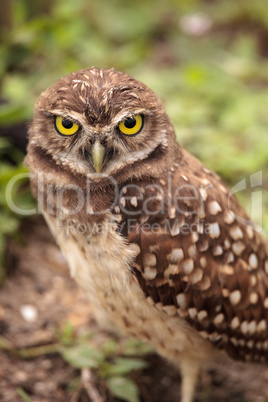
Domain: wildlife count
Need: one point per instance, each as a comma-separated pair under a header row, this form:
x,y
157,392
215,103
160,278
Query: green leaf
x,y
135,347
83,356
123,366
123,388
23,395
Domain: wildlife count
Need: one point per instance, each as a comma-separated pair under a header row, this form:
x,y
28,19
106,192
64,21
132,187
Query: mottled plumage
x,y
156,240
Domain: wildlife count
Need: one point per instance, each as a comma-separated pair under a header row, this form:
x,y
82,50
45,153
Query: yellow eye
x,y
132,125
65,126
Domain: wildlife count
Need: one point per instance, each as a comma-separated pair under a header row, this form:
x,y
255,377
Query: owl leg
x,y
189,373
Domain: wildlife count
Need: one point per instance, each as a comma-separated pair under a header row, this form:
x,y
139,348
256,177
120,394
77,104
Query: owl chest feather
x,y
101,265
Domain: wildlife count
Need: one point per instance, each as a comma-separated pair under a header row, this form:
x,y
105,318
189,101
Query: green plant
x,y
111,360
10,168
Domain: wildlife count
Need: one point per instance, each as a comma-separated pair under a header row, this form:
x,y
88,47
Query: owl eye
x,y
132,125
65,126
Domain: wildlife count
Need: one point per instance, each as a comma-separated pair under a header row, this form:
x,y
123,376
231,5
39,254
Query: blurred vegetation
x,y
111,360
206,60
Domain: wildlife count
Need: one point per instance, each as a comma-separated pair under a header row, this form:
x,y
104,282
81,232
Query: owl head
x,y
97,122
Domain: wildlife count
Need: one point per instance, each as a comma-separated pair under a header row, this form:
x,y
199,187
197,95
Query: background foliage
x,y
207,60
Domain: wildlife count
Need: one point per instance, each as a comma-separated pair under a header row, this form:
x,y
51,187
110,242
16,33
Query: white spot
x,y
236,233
163,182
188,266
235,323
218,319
182,313
28,313
230,257
262,326
214,230
176,255
203,262
258,345
197,276
123,201
172,269
181,300
229,218
149,259
159,306
253,298
192,312
252,327
192,251
238,248
149,273
205,181
205,284
170,310
253,261
244,327
184,177
195,237
253,280
204,334
175,229
124,190
222,188
206,170
172,213
134,201
217,250
203,246
214,207
227,270
201,212
202,315
225,292
150,301
135,248
250,232
235,297
227,244
203,193
117,209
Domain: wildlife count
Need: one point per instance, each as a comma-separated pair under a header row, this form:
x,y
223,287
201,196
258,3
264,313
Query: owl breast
x,y
101,265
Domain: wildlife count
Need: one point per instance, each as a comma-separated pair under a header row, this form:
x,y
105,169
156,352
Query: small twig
x,y
30,352
88,382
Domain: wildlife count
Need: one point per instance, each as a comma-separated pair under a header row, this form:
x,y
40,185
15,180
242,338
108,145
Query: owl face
x,y
100,122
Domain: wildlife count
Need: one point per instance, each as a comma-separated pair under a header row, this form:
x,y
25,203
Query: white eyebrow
x,y
124,115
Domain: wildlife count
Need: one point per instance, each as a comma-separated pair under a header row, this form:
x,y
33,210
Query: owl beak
x,y
98,154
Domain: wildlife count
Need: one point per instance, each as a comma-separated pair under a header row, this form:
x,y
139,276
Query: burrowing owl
x,y
155,239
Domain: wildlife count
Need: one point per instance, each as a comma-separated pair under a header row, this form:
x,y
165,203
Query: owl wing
x,y
200,257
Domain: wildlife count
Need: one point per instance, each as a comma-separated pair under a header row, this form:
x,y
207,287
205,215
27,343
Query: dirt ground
x,y
39,278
